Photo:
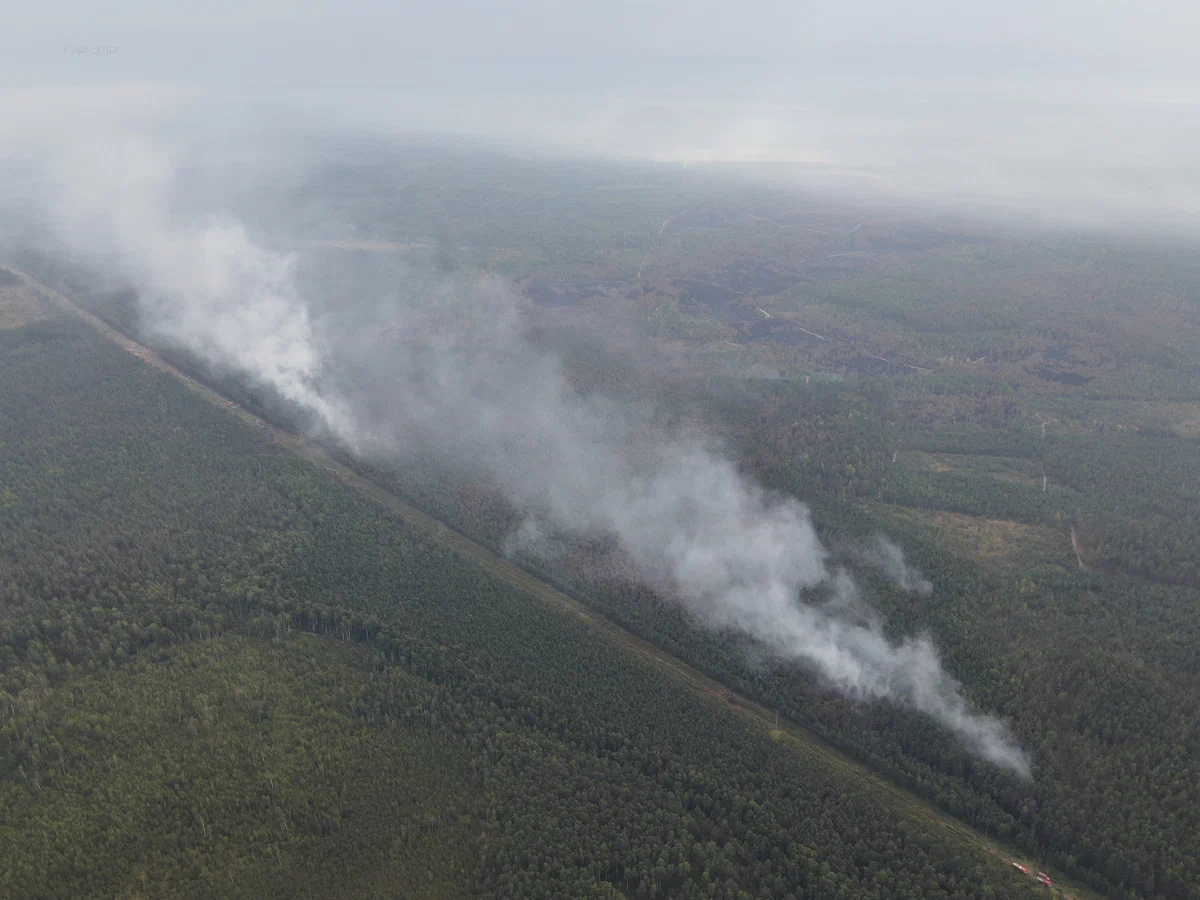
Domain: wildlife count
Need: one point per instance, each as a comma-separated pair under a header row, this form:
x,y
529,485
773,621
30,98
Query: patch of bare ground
x,y
1000,540
18,303
1183,417
1012,471
996,537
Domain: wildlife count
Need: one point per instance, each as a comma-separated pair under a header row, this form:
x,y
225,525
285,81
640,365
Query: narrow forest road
x,y
800,739
808,228
831,256
1075,547
654,242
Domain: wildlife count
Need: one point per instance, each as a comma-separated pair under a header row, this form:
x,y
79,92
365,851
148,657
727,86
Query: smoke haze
x,y
1085,112
889,559
1061,111
205,286
472,389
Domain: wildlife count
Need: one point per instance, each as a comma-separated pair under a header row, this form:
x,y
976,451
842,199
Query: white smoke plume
x,y
206,287
737,556
888,558
473,389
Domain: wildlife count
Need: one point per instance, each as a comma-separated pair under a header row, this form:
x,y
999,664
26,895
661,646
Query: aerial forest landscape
x,y
398,504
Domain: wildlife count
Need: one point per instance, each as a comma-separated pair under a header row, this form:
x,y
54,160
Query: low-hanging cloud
x,y
468,385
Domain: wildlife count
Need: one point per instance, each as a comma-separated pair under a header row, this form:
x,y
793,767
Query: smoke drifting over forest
x,y
889,559
476,392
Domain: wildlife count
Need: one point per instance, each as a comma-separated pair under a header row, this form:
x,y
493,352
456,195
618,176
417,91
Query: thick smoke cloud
x,y
207,287
441,364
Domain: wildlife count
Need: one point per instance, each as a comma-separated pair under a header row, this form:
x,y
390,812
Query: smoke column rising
x,y
889,559
477,392
208,288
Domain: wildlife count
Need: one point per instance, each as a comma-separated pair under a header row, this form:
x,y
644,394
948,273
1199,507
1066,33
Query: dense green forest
x,y
1018,409
223,673
1095,670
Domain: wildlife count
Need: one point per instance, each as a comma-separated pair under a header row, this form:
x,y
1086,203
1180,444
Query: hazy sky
x,y
1094,101
354,43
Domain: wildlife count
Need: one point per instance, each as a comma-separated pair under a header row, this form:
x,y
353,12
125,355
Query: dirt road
x,y
1075,547
654,242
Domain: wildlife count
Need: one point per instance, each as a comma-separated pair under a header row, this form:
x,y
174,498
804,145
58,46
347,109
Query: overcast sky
x,y
1090,97
390,44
